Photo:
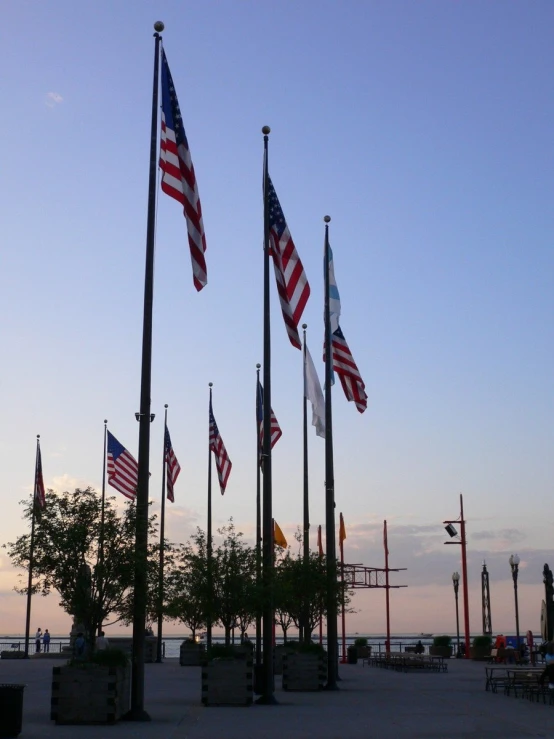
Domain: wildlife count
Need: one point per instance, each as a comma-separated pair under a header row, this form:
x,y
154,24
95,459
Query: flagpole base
x,y
267,700
331,686
136,715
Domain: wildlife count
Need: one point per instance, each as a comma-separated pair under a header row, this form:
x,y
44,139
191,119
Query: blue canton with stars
x,y
170,105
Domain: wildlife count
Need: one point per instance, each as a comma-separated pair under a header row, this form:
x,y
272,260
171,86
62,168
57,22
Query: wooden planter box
x,y
278,652
91,694
227,682
125,643
440,651
304,671
480,653
364,652
191,654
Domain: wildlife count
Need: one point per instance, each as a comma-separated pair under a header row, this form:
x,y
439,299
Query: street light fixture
x,y
456,583
514,564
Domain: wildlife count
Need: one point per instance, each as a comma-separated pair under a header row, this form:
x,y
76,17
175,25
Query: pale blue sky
x,y
423,128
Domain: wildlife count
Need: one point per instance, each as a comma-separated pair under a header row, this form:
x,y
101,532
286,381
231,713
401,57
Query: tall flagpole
x,y
102,525
31,556
137,712
331,557
209,549
258,524
162,550
304,636
267,513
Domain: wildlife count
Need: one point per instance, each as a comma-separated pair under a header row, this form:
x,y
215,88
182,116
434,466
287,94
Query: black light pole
x,y
456,583
514,564
209,549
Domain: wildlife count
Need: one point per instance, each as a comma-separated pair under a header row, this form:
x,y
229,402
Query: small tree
x,y
186,587
234,596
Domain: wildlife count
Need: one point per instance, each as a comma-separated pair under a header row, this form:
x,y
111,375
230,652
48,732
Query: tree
x,y
235,591
66,555
186,585
301,590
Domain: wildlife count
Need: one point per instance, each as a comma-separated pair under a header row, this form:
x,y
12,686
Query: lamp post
x,y
456,583
462,541
514,564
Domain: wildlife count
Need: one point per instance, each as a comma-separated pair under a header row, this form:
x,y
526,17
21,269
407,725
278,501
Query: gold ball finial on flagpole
x,y
327,219
258,366
266,130
38,436
158,26
210,384
304,326
165,406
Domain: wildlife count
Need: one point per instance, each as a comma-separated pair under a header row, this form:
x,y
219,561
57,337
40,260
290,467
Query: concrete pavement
x,y
371,703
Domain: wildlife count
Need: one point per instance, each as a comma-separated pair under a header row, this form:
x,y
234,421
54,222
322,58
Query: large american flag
x,y
346,368
222,462
178,179
122,468
39,495
276,432
172,466
292,283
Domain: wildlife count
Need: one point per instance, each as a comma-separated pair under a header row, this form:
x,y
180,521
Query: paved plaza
x,y
372,702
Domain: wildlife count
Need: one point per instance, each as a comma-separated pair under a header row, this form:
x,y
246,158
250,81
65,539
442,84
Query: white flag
x,y
312,391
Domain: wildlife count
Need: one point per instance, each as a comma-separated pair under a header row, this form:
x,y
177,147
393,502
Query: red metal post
x,y
464,576
387,588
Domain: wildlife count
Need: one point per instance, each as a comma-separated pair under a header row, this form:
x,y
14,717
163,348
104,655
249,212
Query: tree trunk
x,y
227,636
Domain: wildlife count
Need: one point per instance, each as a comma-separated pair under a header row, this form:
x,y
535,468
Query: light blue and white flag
x,y
334,297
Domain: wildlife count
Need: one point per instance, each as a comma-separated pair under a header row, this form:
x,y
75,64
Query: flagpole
x,y
319,534
267,696
162,550
258,525
209,535
306,539
387,589
343,615
102,526
137,711
31,557
331,557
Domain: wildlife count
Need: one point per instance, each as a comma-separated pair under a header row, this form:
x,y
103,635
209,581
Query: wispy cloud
x,y
53,99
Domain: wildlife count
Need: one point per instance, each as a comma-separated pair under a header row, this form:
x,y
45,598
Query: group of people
x,y
44,638
79,644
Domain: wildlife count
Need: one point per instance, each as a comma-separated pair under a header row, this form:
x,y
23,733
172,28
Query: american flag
x,y
172,466
39,495
292,283
345,367
122,468
276,432
222,461
178,179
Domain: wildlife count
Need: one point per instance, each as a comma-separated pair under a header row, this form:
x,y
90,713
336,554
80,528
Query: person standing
x,y
38,637
46,641
102,642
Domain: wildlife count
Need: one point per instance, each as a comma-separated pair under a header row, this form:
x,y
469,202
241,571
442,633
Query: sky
x,y
424,130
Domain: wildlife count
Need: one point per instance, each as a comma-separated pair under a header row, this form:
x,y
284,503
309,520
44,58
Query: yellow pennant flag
x,y
278,536
342,530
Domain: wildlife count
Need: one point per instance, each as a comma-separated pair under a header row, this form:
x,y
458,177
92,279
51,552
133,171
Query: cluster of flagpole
x,y
131,477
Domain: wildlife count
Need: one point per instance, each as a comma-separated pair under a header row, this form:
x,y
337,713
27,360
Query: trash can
x,y
11,710
352,654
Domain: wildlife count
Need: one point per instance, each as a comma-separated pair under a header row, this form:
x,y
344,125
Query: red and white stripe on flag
x,y
179,179
122,468
347,370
